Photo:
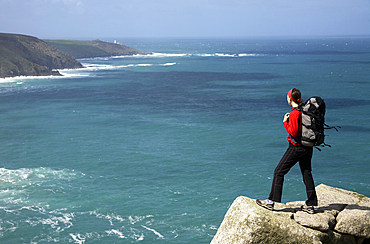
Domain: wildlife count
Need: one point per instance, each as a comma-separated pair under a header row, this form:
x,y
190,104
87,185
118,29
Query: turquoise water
x,y
154,149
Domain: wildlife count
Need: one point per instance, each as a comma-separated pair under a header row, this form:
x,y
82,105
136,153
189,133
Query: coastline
x,y
60,72
54,73
23,55
57,72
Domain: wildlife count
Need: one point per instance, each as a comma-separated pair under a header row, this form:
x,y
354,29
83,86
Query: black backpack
x,y
313,123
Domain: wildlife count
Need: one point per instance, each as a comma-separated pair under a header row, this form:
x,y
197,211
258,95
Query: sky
x,y
92,19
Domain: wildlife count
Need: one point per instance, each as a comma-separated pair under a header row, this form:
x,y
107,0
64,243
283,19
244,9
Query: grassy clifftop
x,y
28,55
91,49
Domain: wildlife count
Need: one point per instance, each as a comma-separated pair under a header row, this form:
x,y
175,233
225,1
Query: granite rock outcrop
x,y
341,217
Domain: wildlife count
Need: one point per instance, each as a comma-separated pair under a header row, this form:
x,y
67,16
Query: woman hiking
x,y
295,153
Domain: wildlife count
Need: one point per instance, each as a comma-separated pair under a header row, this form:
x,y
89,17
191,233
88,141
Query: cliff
x,y
92,49
28,55
342,217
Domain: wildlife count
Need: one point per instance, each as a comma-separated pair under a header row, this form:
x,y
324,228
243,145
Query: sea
x,y
155,148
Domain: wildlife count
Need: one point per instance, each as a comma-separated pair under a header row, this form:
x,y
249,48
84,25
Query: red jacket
x,y
294,126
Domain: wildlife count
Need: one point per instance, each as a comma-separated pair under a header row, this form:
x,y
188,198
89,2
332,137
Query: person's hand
x,y
286,117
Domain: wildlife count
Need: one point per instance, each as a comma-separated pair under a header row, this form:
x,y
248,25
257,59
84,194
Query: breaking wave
x,y
89,65
175,55
95,67
29,176
20,79
28,200
165,55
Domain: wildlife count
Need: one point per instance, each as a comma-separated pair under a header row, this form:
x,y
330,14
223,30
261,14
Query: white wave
x,y
130,56
169,55
65,73
96,58
77,238
114,217
204,55
59,223
236,55
154,231
110,217
249,55
89,67
74,74
19,79
164,55
7,226
96,67
142,65
136,219
169,64
137,237
145,65
150,55
224,55
116,232
29,176
99,215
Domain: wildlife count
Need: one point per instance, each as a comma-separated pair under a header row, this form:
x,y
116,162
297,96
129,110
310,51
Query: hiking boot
x,y
308,209
266,204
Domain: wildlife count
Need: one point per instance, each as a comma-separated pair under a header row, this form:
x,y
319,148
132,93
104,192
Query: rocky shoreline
x,y
341,217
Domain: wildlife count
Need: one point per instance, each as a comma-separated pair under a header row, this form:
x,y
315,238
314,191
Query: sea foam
x,y
97,67
116,232
20,79
30,176
154,231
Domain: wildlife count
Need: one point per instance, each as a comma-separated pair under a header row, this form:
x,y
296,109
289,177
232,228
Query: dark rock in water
x,y
55,73
27,55
341,217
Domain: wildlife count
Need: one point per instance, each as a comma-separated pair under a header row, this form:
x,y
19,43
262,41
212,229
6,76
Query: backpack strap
x,y
332,127
297,140
322,145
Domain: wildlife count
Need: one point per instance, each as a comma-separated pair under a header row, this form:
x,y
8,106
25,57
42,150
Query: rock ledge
x,y
341,217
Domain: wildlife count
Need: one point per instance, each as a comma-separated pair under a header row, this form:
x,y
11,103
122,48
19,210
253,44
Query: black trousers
x,y
294,154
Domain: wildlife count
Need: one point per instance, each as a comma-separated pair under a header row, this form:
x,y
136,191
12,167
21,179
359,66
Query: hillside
x,y
28,55
92,49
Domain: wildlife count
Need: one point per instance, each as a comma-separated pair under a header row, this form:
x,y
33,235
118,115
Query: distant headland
x,y
22,55
93,49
